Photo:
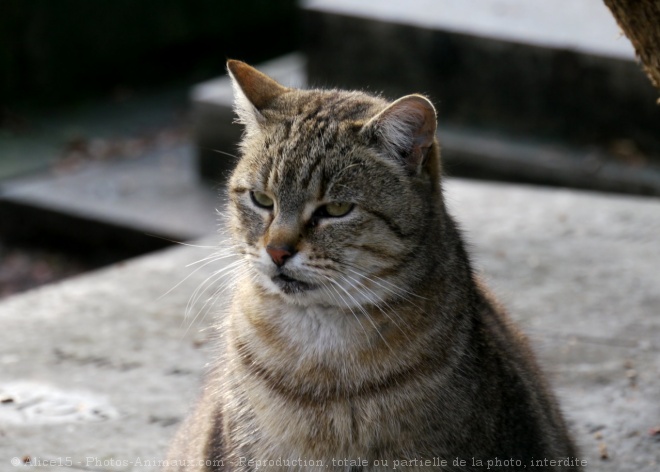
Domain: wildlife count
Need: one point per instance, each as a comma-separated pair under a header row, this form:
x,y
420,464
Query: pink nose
x,y
279,254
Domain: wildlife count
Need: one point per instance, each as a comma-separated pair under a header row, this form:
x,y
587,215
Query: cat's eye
x,y
261,199
334,209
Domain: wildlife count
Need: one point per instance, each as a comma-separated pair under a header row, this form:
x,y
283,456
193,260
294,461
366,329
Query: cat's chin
x,y
290,286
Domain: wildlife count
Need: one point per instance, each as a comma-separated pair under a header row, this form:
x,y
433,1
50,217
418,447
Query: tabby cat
x,y
358,337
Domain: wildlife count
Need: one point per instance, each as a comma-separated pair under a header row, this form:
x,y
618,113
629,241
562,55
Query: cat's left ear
x,y
253,92
406,129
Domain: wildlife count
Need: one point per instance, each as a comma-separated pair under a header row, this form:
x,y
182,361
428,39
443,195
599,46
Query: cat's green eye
x,y
337,209
261,199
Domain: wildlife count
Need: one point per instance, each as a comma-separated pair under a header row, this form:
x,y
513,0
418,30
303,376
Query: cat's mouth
x,y
289,285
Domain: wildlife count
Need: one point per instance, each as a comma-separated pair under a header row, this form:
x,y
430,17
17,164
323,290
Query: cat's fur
x,y
396,352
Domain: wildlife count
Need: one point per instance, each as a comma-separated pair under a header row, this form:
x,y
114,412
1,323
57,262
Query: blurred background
x,y
115,116
83,83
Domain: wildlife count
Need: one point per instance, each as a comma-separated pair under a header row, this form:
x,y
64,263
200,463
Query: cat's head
x,y
335,192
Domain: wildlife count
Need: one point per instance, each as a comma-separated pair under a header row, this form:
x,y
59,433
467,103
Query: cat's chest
x,y
360,429
282,336
374,427
306,387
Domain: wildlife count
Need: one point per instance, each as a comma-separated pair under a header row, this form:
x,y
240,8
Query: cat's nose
x,y
279,254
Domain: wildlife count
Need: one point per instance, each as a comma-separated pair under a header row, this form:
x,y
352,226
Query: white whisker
x,y
203,287
362,309
211,301
209,260
359,285
346,304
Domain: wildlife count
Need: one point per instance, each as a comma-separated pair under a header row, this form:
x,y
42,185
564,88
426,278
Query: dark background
x,y
62,57
56,52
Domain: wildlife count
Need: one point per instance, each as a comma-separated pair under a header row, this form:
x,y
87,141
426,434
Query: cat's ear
x,y
253,92
406,129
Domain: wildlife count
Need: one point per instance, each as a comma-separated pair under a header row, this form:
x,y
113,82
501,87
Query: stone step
x,y
115,209
104,366
557,71
466,151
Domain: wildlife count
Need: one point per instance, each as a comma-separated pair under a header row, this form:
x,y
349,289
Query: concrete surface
x,y
155,194
105,126
561,23
107,337
113,365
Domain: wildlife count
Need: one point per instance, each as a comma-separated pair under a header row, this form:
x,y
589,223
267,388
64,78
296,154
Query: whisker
x,y
347,305
359,285
203,287
225,153
397,291
209,260
362,309
211,301
218,255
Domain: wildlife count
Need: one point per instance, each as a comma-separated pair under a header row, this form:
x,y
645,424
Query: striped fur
x,y
374,340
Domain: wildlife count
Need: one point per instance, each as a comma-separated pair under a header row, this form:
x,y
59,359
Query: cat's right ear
x,y
253,92
406,129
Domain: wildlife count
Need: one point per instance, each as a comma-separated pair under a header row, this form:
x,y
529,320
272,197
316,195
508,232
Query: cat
x,y
358,337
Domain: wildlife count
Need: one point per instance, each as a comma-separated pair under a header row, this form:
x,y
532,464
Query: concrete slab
x,y
560,24
45,137
107,339
577,270
129,204
559,71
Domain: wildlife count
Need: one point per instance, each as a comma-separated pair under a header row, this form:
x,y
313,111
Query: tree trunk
x,y
640,21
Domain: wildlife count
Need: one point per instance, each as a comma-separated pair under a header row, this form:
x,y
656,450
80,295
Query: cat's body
x,y
358,337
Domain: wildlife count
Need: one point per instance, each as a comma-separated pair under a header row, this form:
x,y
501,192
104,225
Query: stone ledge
x,y
124,207
560,24
557,72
